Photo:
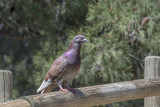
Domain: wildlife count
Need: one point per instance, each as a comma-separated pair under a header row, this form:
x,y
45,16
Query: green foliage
x,y
29,26
112,55
121,34
72,15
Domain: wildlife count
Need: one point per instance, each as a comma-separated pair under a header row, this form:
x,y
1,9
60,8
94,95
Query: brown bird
x,y
64,68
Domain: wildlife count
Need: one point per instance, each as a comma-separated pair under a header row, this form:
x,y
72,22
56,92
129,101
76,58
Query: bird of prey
x,y
64,68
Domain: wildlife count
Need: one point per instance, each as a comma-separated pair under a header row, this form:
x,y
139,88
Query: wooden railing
x,y
101,94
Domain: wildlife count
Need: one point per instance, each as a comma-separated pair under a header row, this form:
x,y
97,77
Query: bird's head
x,y
77,41
80,39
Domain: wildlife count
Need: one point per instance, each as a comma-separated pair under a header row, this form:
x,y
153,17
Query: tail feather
x,y
47,90
45,86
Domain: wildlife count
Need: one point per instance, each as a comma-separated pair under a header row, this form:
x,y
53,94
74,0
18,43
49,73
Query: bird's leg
x,y
61,88
71,89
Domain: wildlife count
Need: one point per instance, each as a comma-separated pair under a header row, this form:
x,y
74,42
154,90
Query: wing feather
x,y
56,70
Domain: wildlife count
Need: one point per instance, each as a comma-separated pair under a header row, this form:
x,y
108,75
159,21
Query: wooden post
x,y
6,83
91,96
152,70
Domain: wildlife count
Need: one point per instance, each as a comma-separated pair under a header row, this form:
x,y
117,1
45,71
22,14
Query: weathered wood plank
x,y
16,103
94,95
152,70
6,83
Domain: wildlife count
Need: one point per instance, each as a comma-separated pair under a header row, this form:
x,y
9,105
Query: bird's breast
x,y
70,73
72,57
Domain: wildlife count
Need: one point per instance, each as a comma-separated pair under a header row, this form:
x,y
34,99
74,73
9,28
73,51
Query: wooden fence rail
x,y
92,96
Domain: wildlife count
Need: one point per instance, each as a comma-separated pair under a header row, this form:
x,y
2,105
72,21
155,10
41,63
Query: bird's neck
x,y
75,46
73,52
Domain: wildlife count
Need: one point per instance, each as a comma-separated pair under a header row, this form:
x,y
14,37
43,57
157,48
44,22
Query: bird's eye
x,y
78,38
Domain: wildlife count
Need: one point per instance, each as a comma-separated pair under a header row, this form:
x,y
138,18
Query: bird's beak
x,y
85,40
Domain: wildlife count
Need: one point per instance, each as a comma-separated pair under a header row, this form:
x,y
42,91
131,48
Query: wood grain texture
x,y
6,84
16,103
93,95
152,70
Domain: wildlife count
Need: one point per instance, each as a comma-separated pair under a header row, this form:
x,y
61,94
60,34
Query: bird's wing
x,y
56,70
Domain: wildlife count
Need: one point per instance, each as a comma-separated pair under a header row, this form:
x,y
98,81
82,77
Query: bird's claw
x,y
69,89
73,90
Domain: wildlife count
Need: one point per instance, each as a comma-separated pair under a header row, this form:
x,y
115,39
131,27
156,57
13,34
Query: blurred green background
x,y
121,33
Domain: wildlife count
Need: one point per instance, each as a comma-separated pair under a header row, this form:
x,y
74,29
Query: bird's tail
x,y
45,87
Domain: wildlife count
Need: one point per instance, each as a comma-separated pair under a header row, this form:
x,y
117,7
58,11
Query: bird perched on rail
x,y
64,68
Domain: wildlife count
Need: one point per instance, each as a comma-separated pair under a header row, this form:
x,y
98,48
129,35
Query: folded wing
x,y
56,70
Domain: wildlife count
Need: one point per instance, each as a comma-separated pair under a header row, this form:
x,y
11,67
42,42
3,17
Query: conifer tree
x,y
35,28
121,34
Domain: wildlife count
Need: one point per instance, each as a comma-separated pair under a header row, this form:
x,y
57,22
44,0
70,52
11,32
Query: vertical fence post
x,y
152,70
6,84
